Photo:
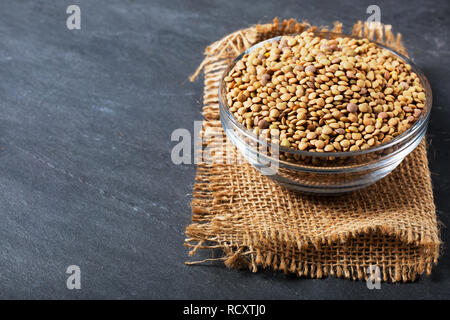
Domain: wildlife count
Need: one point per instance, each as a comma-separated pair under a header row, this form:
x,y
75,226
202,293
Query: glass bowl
x,y
325,173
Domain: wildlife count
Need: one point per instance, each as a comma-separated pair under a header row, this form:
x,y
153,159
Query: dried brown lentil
x,y
327,95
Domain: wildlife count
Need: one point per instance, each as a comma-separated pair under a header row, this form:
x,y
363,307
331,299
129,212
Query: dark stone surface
x,y
85,124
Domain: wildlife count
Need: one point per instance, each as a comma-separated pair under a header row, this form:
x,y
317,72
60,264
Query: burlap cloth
x,y
259,224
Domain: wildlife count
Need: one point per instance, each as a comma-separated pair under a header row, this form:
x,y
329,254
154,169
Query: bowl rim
x,y
416,128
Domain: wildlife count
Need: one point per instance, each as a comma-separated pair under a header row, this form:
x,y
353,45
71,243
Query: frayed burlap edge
x,y
211,192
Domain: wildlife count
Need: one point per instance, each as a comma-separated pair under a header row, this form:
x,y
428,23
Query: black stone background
x,y
85,123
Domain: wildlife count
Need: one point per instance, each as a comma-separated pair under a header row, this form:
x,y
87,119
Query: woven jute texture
x,y
257,224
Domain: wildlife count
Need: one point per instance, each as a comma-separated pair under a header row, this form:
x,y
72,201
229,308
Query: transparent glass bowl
x,y
322,172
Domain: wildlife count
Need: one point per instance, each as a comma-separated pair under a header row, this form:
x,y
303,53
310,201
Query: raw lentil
x,y
324,95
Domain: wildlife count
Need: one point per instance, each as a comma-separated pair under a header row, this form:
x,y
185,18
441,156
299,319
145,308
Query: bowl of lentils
x,y
324,113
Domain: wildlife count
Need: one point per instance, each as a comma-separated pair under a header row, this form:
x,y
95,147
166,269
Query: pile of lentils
x,y
324,95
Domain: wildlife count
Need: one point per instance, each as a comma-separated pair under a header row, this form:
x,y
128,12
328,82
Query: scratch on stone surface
x,y
106,110
45,95
108,34
439,42
174,94
45,160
